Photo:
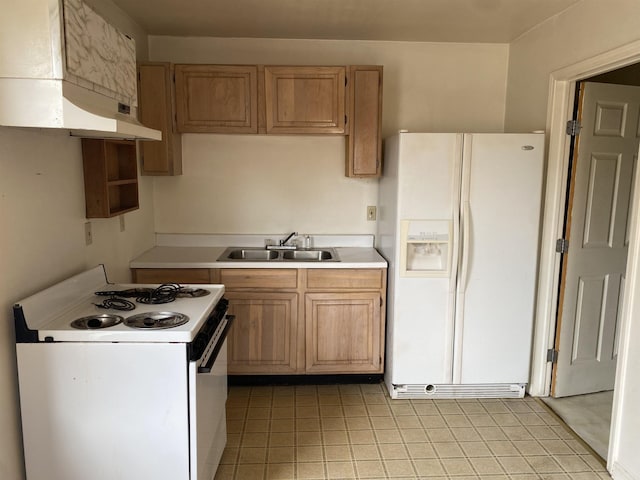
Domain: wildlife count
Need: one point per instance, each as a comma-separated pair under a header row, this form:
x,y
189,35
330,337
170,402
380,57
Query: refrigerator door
x,y
500,210
421,182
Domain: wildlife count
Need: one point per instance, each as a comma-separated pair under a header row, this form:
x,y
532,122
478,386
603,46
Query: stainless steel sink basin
x,y
255,254
308,255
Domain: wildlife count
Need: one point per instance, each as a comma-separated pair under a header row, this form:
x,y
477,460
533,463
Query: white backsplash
x,y
229,240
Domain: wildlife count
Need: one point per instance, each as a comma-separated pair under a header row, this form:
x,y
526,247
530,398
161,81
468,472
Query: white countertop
x,y
207,257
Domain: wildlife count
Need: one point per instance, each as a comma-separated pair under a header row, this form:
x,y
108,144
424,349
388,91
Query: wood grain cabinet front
x,y
171,275
343,332
217,98
157,110
305,99
264,335
364,143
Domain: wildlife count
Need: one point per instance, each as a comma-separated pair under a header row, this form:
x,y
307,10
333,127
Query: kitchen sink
x,y
308,255
255,254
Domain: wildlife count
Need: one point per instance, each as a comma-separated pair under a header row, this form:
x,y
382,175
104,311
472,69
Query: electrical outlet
x,y
371,213
88,234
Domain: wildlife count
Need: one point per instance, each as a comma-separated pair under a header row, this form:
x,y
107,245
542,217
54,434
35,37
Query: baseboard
x,y
618,472
493,390
260,380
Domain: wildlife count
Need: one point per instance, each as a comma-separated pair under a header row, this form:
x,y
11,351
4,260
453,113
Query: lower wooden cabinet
x,y
297,321
263,338
343,332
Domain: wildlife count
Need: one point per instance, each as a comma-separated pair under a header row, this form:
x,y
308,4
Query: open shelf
x,y
110,177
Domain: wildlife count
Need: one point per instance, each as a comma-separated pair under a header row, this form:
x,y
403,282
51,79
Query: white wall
x,y
42,213
590,28
263,184
267,184
584,30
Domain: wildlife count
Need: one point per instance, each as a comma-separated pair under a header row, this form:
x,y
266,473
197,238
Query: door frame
x,y
562,86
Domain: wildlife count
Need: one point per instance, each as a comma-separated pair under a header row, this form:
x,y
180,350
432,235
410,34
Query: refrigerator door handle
x,y
466,241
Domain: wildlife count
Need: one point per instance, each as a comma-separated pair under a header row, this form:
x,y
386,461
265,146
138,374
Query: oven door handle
x,y
214,355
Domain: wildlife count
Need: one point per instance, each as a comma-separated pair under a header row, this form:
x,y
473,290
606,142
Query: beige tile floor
x,y
358,432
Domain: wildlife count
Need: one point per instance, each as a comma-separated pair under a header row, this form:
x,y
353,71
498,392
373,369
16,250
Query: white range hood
x,y
67,68
60,104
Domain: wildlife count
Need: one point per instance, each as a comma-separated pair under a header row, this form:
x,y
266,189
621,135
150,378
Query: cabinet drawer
x,y
258,278
362,279
171,275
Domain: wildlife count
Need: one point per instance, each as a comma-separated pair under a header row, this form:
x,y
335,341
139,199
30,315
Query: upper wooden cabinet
x,y
305,99
364,144
217,98
286,100
156,110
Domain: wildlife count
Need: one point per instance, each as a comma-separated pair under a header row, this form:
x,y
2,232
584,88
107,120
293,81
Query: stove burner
x,y
156,298
165,293
116,303
94,322
155,320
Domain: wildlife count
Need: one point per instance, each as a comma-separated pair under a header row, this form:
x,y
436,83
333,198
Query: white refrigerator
x,y
459,222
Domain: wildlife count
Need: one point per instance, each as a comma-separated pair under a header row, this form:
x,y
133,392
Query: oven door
x,y
207,399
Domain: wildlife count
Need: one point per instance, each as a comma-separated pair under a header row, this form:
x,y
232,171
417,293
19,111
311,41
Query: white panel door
x,y
500,207
593,284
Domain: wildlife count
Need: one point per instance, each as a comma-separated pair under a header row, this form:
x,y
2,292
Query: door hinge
x,y
573,128
552,355
381,301
562,245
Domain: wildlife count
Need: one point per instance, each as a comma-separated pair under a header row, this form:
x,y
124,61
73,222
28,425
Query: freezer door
x,y
421,183
500,210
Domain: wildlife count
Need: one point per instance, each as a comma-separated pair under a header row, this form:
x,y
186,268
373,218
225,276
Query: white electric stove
x,y
123,381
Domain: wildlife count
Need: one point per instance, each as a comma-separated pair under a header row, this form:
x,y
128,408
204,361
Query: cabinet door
x,y
263,338
343,332
364,144
156,110
217,98
305,99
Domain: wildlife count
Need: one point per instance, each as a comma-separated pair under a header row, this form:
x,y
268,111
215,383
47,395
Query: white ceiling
x,y
492,21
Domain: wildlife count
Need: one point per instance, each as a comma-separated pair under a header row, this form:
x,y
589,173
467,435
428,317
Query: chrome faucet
x,y
283,243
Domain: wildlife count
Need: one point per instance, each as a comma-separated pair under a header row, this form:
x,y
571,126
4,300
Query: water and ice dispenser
x,y
425,248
